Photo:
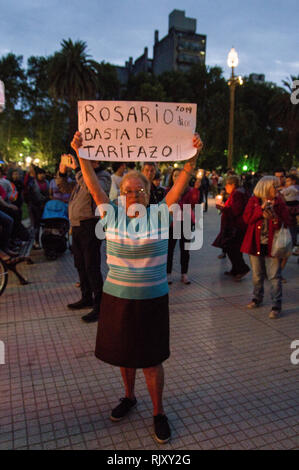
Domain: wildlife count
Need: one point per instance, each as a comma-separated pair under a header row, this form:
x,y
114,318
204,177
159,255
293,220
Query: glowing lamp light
x,y
176,165
28,160
219,199
232,58
245,168
36,161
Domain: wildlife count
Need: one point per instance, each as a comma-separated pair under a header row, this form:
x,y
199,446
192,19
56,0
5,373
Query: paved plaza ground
x,y
230,383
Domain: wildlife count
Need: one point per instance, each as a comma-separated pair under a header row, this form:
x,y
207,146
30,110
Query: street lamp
x,y
232,61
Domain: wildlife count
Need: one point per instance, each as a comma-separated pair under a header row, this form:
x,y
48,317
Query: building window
x,y
188,58
190,46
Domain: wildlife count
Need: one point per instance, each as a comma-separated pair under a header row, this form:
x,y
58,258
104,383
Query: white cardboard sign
x,y
136,130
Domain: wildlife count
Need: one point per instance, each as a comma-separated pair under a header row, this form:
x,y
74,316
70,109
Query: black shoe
x,y
82,303
239,276
91,316
121,410
162,429
254,304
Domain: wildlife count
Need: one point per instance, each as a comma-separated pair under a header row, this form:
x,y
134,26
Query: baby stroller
x,y
55,227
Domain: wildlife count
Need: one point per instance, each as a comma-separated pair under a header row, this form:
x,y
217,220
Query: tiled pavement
x,y
229,381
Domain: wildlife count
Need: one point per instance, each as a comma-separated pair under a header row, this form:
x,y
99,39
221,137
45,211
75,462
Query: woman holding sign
x,y
133,331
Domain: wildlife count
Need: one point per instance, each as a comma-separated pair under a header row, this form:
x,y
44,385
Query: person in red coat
x,y
264,214
233,227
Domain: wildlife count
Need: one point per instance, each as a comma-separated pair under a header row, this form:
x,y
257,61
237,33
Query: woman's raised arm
x,y
89,176
185,175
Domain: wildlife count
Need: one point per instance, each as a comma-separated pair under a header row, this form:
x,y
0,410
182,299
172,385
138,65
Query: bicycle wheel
x,y
3,277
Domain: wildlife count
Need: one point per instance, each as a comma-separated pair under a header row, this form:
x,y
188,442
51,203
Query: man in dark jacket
x,y
86,246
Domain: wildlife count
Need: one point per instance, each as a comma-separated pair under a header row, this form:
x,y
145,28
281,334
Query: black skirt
x,y
133,333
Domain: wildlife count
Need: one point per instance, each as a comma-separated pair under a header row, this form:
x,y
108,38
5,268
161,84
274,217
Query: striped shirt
x,y
137,252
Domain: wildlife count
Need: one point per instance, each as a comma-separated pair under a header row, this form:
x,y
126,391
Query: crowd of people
x,y
23,192
132,303
232,193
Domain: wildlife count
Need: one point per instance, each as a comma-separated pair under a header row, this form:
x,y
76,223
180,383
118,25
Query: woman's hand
x,y
198,144
268,210
77,142
183,179
268,214
66,161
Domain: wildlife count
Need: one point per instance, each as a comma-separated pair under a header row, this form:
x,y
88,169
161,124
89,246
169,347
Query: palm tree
x,y
72,77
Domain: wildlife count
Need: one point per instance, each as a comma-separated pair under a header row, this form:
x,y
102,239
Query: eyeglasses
x,y
138,192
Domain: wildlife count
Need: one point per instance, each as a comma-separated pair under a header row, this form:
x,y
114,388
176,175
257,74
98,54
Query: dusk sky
x,y
264,32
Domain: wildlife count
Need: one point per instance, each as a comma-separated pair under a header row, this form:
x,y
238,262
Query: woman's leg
x,y
283,263
154,377
232,255
185,255
127,403
171,247
129,375
35,214
258,274
236,258
273,267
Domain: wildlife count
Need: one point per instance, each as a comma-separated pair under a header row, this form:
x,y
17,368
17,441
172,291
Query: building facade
x,y
179,50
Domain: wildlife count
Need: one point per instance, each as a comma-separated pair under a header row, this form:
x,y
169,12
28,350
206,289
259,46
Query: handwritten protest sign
x,y
136,130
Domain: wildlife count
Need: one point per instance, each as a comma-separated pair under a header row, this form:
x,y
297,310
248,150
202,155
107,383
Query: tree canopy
x,y
41,107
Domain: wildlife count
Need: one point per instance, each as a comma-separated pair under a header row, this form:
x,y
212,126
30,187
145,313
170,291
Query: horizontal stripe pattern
x,y
136,262
137,267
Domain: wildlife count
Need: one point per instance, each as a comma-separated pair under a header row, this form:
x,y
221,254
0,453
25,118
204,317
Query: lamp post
x,y
232,61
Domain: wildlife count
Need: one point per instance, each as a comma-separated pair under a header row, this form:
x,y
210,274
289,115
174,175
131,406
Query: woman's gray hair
x,y
264,186
136,174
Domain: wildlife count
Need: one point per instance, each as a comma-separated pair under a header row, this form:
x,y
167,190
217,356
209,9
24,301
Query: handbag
x,y
282,243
